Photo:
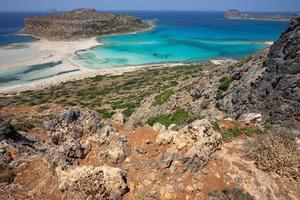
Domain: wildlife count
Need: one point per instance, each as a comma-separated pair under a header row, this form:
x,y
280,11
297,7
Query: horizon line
x,y
129,10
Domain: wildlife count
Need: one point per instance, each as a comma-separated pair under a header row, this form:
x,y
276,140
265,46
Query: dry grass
x,y
276,152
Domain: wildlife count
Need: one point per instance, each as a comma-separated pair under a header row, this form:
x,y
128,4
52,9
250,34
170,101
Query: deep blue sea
x,y
177,37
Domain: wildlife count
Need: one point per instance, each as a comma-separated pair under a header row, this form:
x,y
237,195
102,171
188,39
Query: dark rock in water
x,y
230,194
72,125
271,87
81,23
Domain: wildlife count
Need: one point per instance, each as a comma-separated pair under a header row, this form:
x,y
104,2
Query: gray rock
x,y
270,86
200,143
72,124
94,183
114,146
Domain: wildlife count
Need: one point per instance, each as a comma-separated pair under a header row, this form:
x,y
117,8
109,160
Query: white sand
x,y
49,52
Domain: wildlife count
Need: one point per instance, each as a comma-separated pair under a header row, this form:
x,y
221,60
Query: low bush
x,y
105,113
163,97
178,117
276,152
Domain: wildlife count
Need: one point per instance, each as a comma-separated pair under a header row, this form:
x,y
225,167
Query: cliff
x,y
236,14
81,23
273,86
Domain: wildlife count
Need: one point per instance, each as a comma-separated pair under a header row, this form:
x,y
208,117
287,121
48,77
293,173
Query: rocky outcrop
x,y
94,183
270,86
198,141
236,14
71,125
81,23
114,147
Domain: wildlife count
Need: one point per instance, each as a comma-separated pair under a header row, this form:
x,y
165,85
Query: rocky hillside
x,y
81,23
194,132
271,87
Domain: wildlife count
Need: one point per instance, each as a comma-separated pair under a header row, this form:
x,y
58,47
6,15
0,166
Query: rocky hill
x,y
188,132
271,87
236,14
81,23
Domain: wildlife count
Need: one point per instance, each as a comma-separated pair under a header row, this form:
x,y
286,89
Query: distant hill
x,y
81,23
236,14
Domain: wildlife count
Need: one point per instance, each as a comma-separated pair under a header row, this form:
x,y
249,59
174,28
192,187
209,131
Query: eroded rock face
x,y
81,23
114,146
230,194
94,183
191,148
7,131
72,124
270,86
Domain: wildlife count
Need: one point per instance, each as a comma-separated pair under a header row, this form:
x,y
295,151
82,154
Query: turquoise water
x,y
183,37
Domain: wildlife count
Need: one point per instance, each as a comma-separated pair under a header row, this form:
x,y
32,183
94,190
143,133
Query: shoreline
x,y
78,75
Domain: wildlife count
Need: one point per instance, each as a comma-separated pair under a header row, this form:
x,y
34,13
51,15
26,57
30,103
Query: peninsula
x,y
236,14
81,23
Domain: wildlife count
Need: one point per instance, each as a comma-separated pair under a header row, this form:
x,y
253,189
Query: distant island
x,y
236,14
81,23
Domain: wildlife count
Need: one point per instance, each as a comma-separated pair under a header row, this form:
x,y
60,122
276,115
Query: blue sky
x,y
63,5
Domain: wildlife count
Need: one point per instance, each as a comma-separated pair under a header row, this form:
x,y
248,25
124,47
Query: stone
x,y
230,194
118,119
248,118
165,137
71,125
198,139
94,183
114,146
7,131
158,127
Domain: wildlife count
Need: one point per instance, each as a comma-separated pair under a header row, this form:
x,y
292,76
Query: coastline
x,y
63,51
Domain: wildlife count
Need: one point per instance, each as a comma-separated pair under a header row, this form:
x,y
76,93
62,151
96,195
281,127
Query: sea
x,y
178,36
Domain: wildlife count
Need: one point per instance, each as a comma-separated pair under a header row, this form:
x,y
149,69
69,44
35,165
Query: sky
x,y
205,5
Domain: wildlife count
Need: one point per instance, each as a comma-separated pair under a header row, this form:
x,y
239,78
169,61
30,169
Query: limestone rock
x,y
94,183
199,142
248,118
72,124
114,146
270,86
118,119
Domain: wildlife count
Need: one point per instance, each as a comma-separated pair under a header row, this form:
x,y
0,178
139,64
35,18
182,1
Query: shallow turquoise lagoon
x,y
183,37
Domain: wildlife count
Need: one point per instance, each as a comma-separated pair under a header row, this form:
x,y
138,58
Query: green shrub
x,y
178,117
229,133
105,113
224,83
163,97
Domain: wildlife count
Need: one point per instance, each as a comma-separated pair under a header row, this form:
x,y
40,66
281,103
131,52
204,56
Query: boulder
x,y
7,131
192,146
71,125
94,183
118,119
248,118
114,146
